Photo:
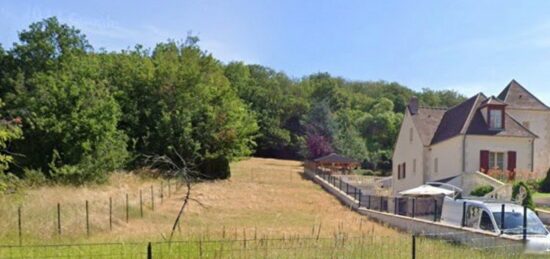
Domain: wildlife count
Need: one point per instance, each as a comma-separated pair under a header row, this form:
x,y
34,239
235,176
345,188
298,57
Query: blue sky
x,y
468,46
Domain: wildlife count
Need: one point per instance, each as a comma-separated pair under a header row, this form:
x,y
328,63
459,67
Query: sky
x,y
467,46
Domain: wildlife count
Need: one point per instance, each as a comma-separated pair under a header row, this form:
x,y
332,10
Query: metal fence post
x,y
463,214
161,191
413,255
435,210
414,207
127,209
58,219
502,219
141,203
110,213
87,220
19,225
149,251
395,205
152,198
524,223
359,200
368,204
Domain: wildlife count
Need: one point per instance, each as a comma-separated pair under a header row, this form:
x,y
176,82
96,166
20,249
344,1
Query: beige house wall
x,y
539,123
407,151
474,144
449,159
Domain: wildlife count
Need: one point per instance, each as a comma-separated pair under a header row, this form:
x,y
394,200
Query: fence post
x,y
19,225
161,192
149,251
414,207
58,219
413,255
463,214
141,203
127,208
87,220
110,213
359,200
368,204
152,199
524,223
169,189
502,220
435,210
395,205
381,202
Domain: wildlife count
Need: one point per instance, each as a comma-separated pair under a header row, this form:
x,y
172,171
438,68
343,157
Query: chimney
x,y
413,105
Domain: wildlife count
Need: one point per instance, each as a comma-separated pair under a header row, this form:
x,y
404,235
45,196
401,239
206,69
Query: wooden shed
x,y
336,163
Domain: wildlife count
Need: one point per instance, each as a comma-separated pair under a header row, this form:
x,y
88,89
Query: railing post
x,y
395,205
463,214
381,202
502,219
414,207
435,210
368,204
359,200
524,223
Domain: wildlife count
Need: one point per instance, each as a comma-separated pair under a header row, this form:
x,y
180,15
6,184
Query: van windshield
x,y
513,223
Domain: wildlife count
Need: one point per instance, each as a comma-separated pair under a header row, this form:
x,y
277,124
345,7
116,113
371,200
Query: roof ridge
x,y
471,113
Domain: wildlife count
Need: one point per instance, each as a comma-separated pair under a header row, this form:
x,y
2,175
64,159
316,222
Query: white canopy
x,y
426,190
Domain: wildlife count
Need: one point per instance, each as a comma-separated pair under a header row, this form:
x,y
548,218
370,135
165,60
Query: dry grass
x,y
264,197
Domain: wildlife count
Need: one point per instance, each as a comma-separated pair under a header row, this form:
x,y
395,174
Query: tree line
x,y
73,114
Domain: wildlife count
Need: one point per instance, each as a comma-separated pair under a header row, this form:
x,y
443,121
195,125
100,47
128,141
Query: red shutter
x,y
404,170
484,161
512,161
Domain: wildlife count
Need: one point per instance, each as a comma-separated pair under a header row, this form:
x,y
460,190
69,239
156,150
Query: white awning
x,y
426,190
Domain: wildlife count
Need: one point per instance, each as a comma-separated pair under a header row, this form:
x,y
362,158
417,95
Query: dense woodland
x,y
72,114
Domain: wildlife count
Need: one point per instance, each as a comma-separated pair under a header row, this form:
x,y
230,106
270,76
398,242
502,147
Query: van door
x,y
486,223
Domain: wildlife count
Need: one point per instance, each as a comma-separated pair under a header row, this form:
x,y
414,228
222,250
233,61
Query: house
x,y
509,133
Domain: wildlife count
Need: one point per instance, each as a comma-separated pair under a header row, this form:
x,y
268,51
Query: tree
x,y
9,131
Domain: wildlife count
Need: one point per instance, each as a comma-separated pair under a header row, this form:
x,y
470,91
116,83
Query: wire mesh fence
x,y
82,217
364,246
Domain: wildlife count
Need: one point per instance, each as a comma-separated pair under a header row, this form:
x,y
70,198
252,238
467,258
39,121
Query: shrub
x,y
215,168
528,200
9,183
544,185
482,190
34,177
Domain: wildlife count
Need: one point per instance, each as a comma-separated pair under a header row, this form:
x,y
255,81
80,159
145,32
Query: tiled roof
x,y
517,97
437,125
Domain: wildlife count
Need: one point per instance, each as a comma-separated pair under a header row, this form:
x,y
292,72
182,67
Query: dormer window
x,y
495,118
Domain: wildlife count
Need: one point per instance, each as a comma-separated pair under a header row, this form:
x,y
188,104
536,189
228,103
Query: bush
x,y
34,177
481,191
215,168
9,183
528,200
544,185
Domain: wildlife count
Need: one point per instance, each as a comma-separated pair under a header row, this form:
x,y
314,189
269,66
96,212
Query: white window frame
x,y
494,119
493,155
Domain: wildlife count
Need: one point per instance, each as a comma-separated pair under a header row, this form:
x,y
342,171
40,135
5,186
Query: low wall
x,y
417,225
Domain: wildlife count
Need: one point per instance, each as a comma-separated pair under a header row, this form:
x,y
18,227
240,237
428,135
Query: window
x,y
495,119
485,223
496,160
436,165
398,171
411,134
414,166
526,124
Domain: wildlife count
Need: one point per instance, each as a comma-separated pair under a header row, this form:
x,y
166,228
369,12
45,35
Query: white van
x,y
486,216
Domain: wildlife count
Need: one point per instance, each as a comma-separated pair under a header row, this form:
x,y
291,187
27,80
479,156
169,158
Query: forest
x,y
71,114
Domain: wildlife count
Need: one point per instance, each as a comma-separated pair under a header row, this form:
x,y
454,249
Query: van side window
x,y
486,223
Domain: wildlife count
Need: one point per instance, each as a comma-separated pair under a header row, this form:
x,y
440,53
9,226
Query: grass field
x,y
267,209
